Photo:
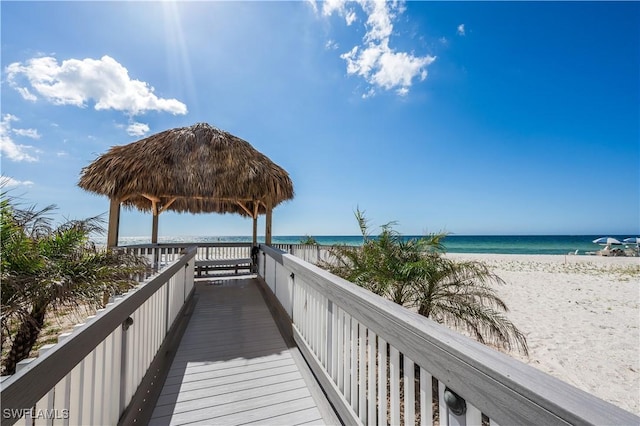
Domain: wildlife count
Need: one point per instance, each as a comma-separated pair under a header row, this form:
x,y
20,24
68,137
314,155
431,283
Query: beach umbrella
x,y
606,240
195,169
632,240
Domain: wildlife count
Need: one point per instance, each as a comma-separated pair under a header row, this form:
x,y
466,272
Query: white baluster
x,y
77,379
382,381
354,364
112,410
339,328
426,396
409,392
347,357
394,378
473,416
332,356
362,373
45,405
443,411
62,392
371,382
89,387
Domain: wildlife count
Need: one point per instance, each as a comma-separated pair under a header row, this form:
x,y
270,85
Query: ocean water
x,y
503,244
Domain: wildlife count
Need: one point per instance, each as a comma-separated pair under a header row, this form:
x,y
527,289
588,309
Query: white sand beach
x,y
581,317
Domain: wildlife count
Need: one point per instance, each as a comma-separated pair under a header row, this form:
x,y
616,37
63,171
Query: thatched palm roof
x,y
196,169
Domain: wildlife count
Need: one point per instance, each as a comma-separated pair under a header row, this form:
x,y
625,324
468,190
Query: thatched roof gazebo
x,y
196,169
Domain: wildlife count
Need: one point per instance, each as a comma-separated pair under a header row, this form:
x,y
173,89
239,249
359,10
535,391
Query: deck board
x,y
233,367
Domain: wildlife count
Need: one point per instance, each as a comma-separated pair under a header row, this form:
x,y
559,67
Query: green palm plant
x,y
460,295
415,274
379,264
308,240
46,268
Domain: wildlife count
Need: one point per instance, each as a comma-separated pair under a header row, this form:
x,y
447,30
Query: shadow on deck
x,y
233,365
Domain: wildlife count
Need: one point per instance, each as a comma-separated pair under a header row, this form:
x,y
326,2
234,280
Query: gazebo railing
x,y
218,257
167,252
91,374
380,363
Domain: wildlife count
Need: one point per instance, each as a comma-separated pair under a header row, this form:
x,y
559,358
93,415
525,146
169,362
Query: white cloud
x,y
350,17
331,6
382,66
397,69
379,25
461,30
29,133
137,129
77,81
26,94
331,45
369,94
7,182
313,5
9,148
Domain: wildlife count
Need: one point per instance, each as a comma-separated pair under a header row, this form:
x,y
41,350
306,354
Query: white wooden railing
x,y
217,258
381,364
312,253
161,254
90,376
168,252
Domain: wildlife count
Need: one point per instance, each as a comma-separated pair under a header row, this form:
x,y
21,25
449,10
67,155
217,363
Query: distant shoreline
x,y
496,244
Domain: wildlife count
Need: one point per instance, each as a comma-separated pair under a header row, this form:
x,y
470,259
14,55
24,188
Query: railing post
x,y
123,365
293,298
167,309
184,282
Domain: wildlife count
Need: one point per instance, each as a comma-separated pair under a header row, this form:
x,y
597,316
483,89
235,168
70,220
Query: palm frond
x,y
45,267
413,273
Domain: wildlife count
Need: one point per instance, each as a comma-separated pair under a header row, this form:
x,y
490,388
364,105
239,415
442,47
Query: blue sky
x,y
465,117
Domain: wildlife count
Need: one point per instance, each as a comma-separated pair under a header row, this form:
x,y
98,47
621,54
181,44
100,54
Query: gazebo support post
x,y
267,226
114,223
255,222
255,231
154,225
154,230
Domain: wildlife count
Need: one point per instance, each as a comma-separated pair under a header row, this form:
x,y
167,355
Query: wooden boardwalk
x,y
233,366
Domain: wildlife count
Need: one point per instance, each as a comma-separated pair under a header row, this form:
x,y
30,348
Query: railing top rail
x,y
187,244
326,246
503,388
26,387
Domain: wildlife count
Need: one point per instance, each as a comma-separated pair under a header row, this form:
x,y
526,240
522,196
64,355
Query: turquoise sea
x,y
504,244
